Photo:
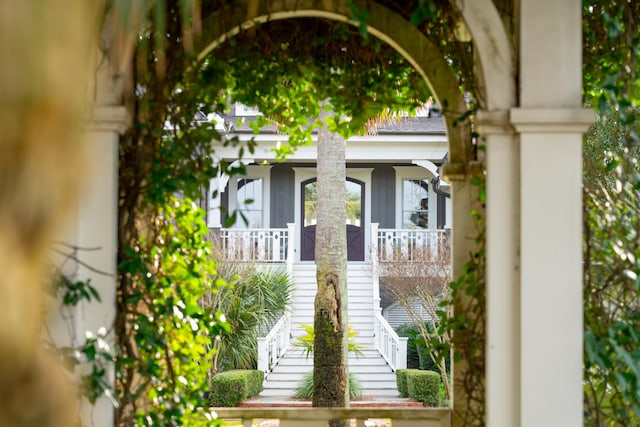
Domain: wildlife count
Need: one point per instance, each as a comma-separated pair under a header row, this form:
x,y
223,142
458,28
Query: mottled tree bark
x,y
330,386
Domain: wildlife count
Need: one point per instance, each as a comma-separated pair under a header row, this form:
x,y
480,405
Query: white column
x,y
502,293
97,230
214,219
551,125
551,265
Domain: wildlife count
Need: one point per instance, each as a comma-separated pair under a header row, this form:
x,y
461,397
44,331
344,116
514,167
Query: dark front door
x,y
355,216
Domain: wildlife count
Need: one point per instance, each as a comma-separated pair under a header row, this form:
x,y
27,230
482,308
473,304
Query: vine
x,y
91,360
463,318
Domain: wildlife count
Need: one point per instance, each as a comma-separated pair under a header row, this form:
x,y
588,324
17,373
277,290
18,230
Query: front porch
x,y
384,351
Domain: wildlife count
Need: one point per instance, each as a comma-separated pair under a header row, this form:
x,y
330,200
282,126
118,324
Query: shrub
x,y
305,388
425,387
402,379
232,387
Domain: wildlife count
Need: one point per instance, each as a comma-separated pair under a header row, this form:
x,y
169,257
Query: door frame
x,y
360,174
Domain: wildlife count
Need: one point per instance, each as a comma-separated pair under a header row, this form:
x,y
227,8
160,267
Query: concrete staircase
x,y
375,375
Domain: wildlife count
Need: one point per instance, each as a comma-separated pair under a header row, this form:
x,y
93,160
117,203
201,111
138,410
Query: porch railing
x,y
319,417
276,245
268,245
272,347
411,245
392,347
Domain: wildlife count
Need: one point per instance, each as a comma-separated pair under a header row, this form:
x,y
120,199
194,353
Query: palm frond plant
x,y
305,342
252,305
304,390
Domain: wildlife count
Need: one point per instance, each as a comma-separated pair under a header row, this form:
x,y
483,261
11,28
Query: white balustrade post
x,y
401,361
291,243
375,267
263,355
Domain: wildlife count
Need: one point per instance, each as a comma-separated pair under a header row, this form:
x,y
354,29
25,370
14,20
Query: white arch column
x,y
502,293
96,230
551,124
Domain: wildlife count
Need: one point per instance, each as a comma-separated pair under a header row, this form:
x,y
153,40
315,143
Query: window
x,y
415,203
250,202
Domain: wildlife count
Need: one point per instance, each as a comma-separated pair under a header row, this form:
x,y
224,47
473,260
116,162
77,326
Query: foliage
x,y
419,283
424,386
293,77
253,303
306,341
166,333
304,390
164,338
94,354
611,221
467,324
419,356
229,388
612,311
401,381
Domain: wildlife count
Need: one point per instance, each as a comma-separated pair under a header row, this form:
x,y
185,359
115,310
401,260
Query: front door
x,y
355,216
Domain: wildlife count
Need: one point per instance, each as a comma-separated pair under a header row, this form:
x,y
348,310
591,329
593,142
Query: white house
x,y
396,204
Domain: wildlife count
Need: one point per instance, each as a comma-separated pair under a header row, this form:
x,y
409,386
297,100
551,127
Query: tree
x,y
330,355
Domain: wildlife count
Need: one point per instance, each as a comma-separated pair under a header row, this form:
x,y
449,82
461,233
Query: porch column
x,y
551,126
502,293
96,230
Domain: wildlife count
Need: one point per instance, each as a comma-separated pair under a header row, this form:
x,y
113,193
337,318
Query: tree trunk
x,y
330,385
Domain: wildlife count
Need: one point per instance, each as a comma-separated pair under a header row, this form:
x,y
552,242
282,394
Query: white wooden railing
x,y
272,347
276,245
265,245
392,347
410,245
319,417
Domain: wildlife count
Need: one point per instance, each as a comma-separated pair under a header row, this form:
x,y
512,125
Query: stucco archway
x,y
426,58
549,119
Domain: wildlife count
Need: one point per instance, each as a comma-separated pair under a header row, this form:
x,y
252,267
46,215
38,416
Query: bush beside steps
x,y
229,388
421,385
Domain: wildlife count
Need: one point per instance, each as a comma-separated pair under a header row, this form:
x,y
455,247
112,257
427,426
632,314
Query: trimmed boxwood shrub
x,y
425,387
401,381
229,388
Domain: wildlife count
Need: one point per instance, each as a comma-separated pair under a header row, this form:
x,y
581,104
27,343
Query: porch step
x,y
375,376
360,299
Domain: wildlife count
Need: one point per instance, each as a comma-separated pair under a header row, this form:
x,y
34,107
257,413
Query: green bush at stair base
x,y
232,387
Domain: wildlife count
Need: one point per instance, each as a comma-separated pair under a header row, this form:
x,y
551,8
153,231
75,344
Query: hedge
x,y
229,388
401,380
424,386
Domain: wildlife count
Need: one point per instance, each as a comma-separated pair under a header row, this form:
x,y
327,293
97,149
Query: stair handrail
x,y
272,347
392,347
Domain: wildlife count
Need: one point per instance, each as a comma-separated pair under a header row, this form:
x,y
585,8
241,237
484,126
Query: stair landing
x,y
289,402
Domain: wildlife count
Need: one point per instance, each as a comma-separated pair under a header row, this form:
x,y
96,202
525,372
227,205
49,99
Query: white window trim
x,y
254,171
415,172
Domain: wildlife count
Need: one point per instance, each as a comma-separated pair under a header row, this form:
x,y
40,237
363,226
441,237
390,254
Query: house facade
x,y
392,180
397,205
